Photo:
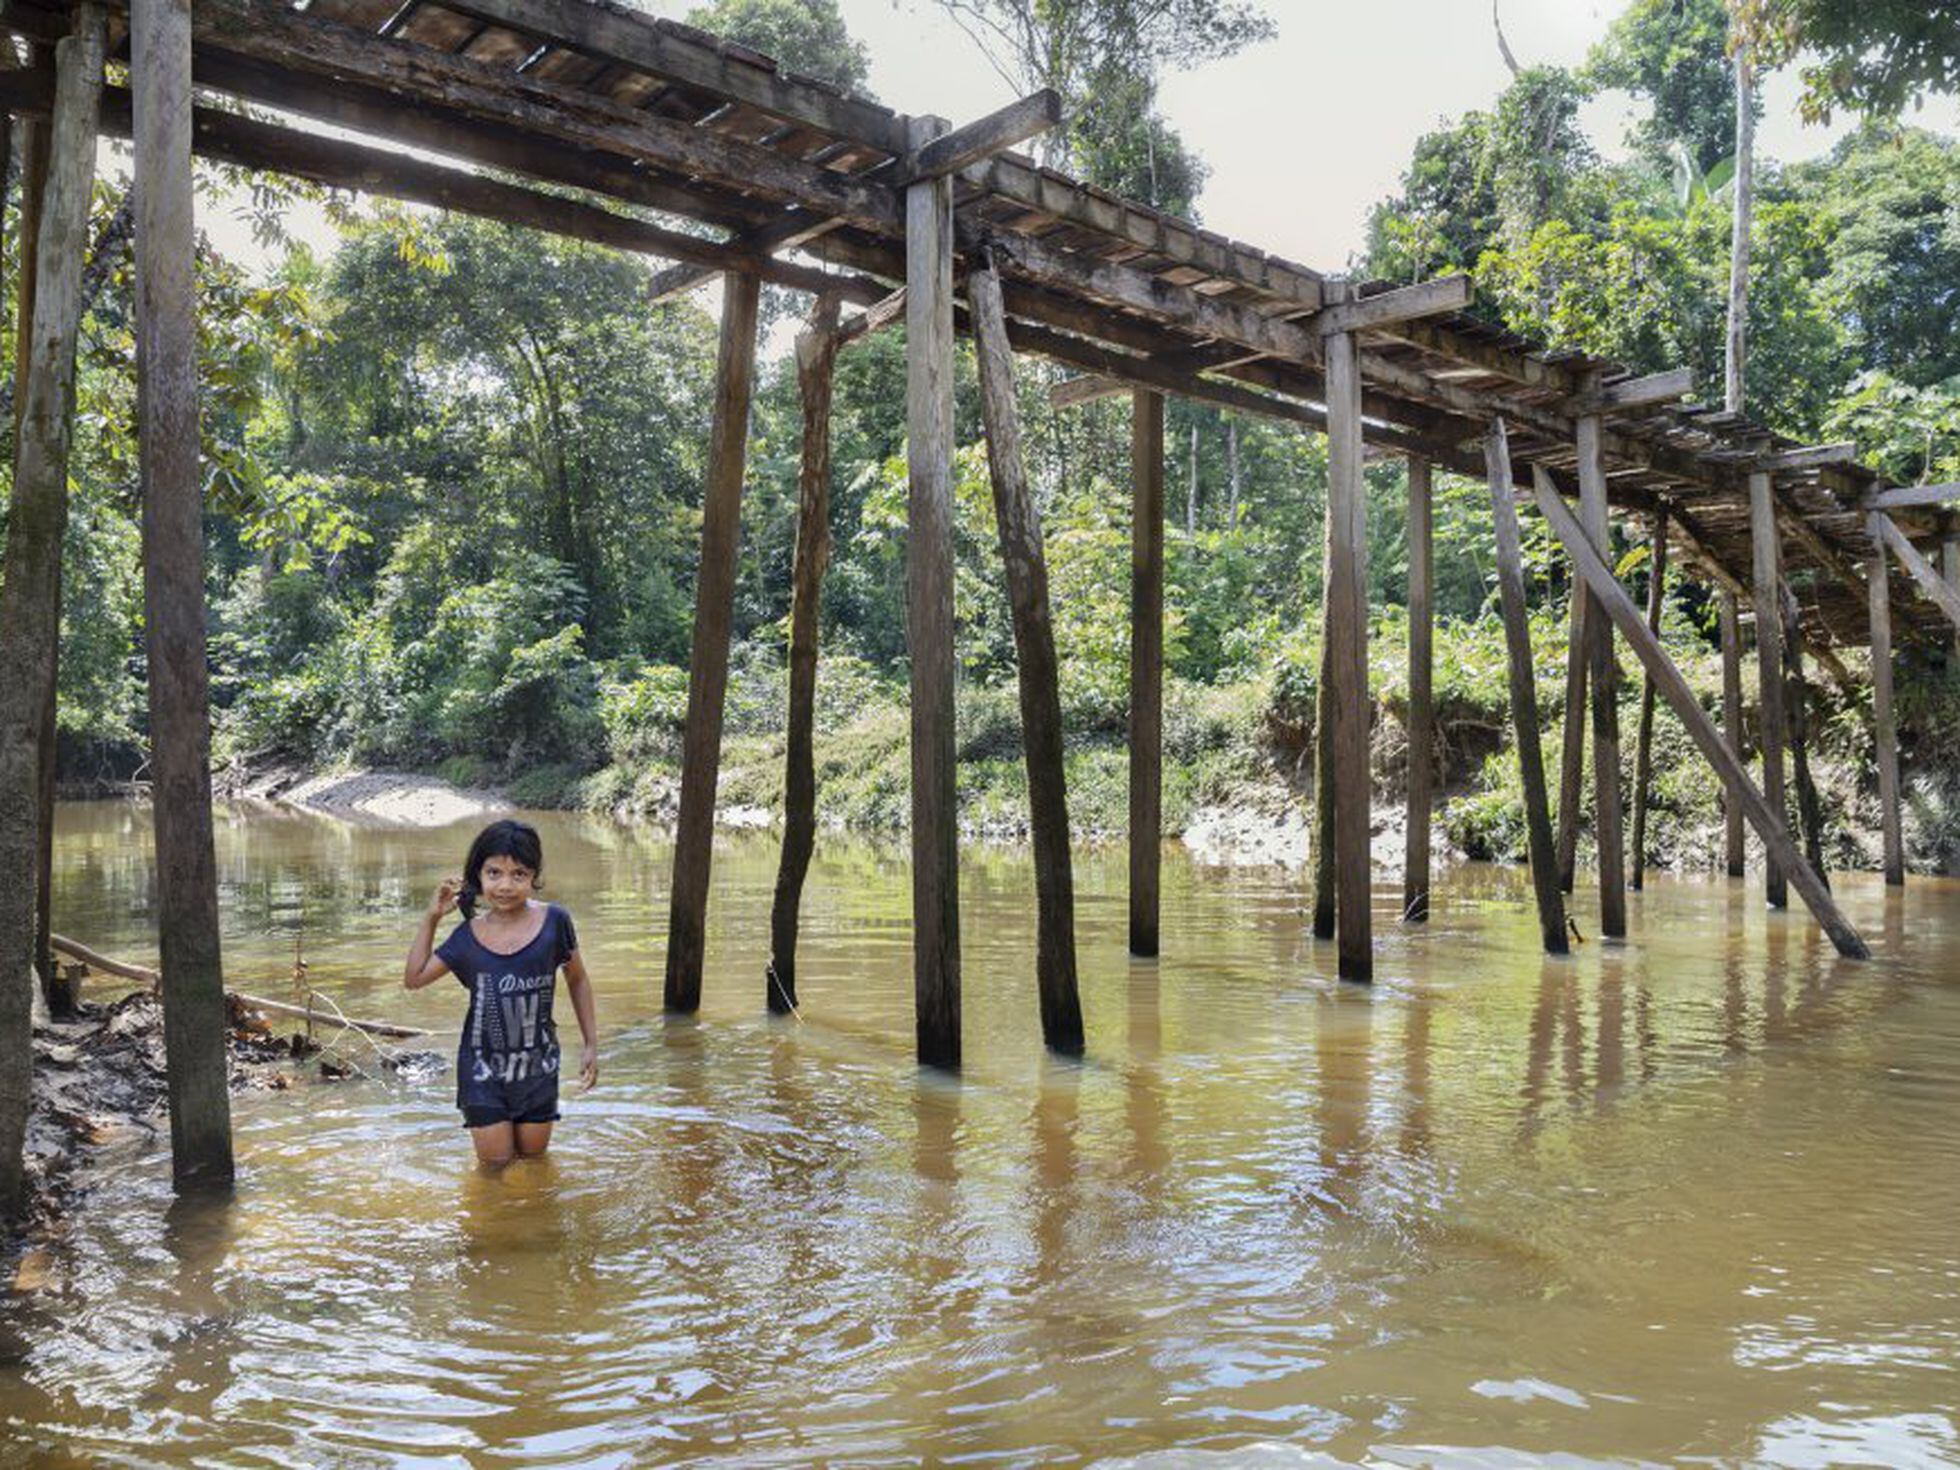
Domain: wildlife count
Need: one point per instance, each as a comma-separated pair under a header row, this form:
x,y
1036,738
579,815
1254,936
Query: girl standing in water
x,y
509,957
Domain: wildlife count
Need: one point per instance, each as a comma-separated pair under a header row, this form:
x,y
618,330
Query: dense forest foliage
x,y
455,468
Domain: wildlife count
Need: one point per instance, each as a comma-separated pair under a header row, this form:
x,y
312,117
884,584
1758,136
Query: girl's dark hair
x,y
508,838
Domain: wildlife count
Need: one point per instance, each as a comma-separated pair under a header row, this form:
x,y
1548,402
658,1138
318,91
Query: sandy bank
x,y
398,797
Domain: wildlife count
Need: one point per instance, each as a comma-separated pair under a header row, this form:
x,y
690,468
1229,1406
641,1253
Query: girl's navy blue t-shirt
x,y
508,1035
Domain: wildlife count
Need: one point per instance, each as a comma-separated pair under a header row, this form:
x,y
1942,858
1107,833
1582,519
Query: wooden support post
x,y
1026,567
1612,600
1347,636
929,602
816,357
1885,731
1643,759
1325,867
1603,675
1732,728
1950,570
1524,693
1796,694
1768,563
30,609
1146,666
1572,750
173,592
707,672
1422,720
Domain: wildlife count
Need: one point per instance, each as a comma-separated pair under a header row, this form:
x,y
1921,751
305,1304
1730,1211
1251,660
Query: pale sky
x,y
1303,133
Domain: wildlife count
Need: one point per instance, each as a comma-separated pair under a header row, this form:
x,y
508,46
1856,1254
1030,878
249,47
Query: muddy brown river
x,y
1691,1200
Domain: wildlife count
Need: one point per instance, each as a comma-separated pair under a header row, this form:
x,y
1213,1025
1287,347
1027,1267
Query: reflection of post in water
x,y
935,1256
197,1231
1776,968
1143,1086
1610,1047
1554,1013
1343,1078
1056,1110
1415,1076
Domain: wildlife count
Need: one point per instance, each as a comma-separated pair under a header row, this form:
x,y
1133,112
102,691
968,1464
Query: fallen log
x,y
144,975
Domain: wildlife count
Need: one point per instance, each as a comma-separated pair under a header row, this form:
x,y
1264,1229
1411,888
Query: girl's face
x,y
505,883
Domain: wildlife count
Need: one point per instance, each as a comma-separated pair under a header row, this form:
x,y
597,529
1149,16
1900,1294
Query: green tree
x,y
1674,55
808,36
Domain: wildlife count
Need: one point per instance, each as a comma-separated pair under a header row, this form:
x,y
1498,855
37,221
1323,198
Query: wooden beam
x,y
1524,693
1885,732
1816,456
1146,667
1422,717
695,59
1603,677
707,670
1643,758
1025,566
1908,497
1636,392
1731,618
1763,815
929,603
332,51
874,318
1944,597
30,583
1347,638
982,138
797,227
1407,303
1087,388
194,1024
816,361
1766,553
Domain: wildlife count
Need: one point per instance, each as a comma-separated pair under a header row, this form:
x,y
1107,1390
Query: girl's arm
x,y
580,985
423,966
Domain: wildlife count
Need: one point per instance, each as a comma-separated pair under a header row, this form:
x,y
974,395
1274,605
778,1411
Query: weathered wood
x,y
1812,457
1326,863
796,228
1767,819
1909,497
1643,758
816,357
1767,558
929,600
1026,567
1146,667
874,318
1090,388
1732,848
1406,303
30,609
1885,731
707,672
982,138
1796,707
1603,680
1347,632
1635,392
1950,572
173,596
1572,749
1923,572
1422,717
1540,846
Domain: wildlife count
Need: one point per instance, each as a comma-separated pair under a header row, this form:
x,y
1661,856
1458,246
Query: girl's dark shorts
x,y
534,1100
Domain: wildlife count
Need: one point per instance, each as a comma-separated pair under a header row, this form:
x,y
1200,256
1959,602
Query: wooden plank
x,y
1422,716
1643,758
1908,497
1731,618
816,360
1026,569
1603,680
982,138
707,670
30,588
1146,667
173,593
874,318
1347,633
309,46
1766,553
1944,597
638,41
1366,313
1767,819
795,228
1636,392
1885,730
1540,845
1813,457
1088,388
929,601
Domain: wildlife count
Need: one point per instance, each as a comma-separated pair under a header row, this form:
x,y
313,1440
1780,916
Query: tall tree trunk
x,y
1191,494
1232,468
1745,203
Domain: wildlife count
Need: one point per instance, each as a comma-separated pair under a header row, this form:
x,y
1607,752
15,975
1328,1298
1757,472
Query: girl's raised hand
x,y
445,897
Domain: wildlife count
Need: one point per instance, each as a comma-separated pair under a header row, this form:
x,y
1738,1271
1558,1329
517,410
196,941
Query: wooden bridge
x,y
598,122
